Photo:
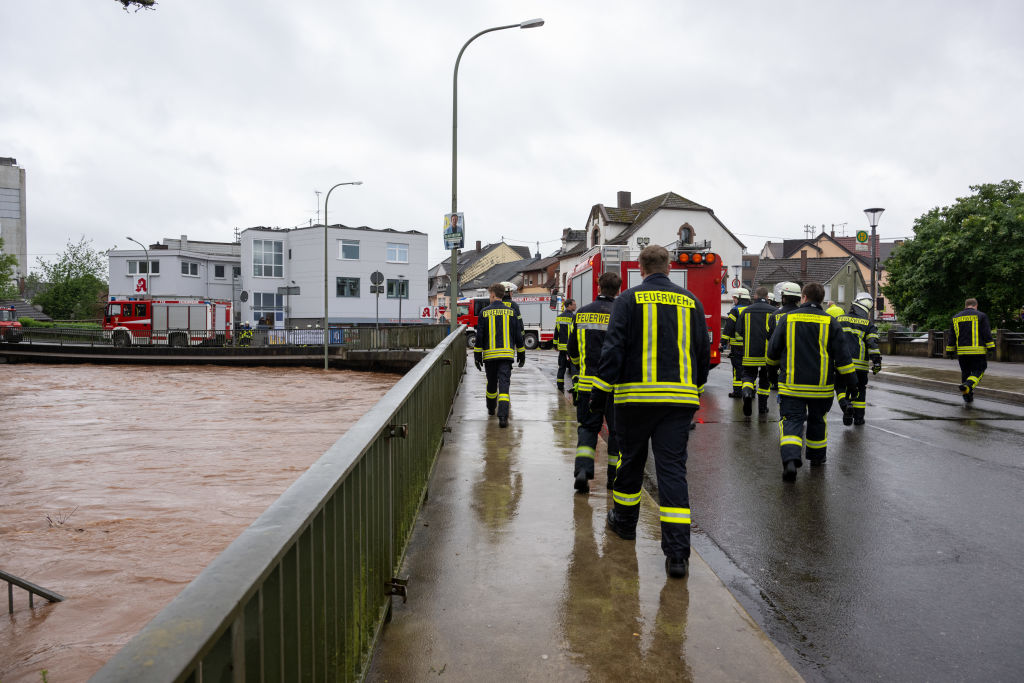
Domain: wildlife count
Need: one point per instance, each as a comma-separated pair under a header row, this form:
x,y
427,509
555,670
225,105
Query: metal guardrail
x,y
32,589
303,592
356,338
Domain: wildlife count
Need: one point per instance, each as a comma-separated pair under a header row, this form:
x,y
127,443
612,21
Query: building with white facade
x,y
666,220
13,228
278,261
176,269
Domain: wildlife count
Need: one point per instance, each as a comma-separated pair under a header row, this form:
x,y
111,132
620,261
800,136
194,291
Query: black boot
x,y
621,527
677,567
748,401
762,404
581,484
735,393
789,470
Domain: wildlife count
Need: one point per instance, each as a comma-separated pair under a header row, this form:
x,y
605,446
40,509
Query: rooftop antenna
x,y
317,193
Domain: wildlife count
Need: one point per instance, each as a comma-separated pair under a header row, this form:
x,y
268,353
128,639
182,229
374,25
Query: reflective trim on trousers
x,y
675,515
628,499
584,452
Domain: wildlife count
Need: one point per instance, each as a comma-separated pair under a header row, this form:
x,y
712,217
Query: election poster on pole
x,y
454,231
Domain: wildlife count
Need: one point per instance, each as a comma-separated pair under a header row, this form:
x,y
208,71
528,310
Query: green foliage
x,y
974,248
75,284
8,262
32,322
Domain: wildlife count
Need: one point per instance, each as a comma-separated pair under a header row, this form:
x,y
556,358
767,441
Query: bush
x,y
32,322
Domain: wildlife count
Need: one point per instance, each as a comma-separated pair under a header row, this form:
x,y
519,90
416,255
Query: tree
x,y
138,4
8,262
76,283
974,248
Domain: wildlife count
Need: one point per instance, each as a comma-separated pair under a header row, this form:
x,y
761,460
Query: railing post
x,y
1001,345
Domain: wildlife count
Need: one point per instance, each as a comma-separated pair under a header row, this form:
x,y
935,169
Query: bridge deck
x,y
512,576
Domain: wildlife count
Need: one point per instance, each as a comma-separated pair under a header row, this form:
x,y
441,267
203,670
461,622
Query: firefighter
x,y
789,294
586,335
862,343
809,348
656,357
732,340
562,322
498,341
772,299
970,337
507,300
752,325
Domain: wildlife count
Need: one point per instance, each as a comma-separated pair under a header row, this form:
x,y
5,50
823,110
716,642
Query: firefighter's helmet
x,y
863,299
771,296
741,293
789,289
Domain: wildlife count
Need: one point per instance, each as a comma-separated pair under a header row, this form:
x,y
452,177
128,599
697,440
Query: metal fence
x,y
303,592
356,338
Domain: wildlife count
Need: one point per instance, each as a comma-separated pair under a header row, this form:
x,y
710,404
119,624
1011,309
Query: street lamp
x,y
149,268
327,199
873,216
453,293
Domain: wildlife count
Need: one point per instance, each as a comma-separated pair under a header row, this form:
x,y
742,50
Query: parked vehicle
x,y
10,328
696,268
538,318
181,322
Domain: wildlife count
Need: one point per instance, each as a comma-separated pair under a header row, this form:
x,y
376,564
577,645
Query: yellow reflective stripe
x,y
502,397
860,404
843,369
626,498
490,395
675,515
613,459
813,392
599,383
817,444
791,441
584,452
970,349
497,354
659,398
823,353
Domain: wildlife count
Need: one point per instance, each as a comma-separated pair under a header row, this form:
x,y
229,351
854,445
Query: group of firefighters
x,y
639,361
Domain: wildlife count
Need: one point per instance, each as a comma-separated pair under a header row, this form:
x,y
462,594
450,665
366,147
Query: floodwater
x,y
119,484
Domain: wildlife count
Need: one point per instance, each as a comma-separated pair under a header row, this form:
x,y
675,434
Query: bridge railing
x,y
303,592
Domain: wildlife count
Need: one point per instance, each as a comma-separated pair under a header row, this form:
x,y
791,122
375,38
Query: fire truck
x,y
696,268
179,322
538,318
10,328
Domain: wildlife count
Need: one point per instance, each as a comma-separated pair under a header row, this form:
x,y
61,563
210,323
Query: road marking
x,y
904,436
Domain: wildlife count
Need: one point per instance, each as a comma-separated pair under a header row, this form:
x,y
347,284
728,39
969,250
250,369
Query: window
x,y
398,289
348,250
113,309
347,286
218,271
267,258
140,311
842,293
268,306
236,271
746,263
686,233
398,252
139,267
190,268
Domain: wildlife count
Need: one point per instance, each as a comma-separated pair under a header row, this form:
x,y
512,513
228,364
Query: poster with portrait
x,y
454,231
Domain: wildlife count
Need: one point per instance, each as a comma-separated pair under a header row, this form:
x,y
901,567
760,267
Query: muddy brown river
x,y
119,484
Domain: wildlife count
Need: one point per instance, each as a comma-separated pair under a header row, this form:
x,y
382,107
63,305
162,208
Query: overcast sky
x,y
205,116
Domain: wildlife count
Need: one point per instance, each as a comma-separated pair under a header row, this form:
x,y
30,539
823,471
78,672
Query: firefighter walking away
x,y
970,338
499,340
862,343
732,340
752,324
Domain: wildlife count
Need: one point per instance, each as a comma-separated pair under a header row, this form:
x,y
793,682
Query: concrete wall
x,y
13,222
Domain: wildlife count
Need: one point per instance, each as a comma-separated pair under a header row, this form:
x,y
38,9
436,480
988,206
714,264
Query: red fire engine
x,y
184,322
10,328
697,270
538,318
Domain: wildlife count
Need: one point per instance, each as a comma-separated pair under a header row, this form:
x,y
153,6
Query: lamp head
x,y
873,216
531,23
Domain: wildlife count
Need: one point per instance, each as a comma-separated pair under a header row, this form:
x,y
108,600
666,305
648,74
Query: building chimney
x,y
625,199
184,242
478,246
803,266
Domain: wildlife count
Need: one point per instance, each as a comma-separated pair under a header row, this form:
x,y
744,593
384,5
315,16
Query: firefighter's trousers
x,y
563,366
795,413
499,376
859,399
759,375
972,369
587,435
667,429
736,360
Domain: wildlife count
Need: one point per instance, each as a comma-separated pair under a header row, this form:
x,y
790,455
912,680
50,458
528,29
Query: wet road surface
x,y
899,559
154,471
514,577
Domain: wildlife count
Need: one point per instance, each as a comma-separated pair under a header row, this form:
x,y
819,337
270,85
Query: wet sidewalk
x,y
514,577
1001,382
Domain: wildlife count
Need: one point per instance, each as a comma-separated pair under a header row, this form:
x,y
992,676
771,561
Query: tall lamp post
x,y
149,267
327,199
873,217
453,294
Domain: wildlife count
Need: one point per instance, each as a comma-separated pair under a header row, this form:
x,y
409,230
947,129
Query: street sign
x,y
376,277
376,289
290,291
425,312
735,283
862,236
454,231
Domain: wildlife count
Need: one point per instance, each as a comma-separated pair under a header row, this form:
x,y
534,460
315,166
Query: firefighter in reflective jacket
x,y
752,327
970,338
498,341
562,323
656,357
731,339
789,294
586,336
809,348
862,343
507,300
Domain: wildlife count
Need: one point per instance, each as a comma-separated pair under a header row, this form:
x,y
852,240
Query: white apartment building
x,y
276,262
176,269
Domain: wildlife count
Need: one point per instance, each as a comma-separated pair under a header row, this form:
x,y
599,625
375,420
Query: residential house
x,y
472,263
667,219
839,275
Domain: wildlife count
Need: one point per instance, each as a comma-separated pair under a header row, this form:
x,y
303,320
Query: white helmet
x,y
741,293
863,299
509,287
771,295
789,289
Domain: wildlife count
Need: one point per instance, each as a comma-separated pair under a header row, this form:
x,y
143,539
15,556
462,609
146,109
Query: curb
x,y
948,387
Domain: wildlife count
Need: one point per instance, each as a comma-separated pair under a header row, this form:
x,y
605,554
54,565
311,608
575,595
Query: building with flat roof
x,y
13,226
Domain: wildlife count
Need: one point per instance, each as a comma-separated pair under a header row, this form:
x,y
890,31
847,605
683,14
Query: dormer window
x,y
686,233
597,237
